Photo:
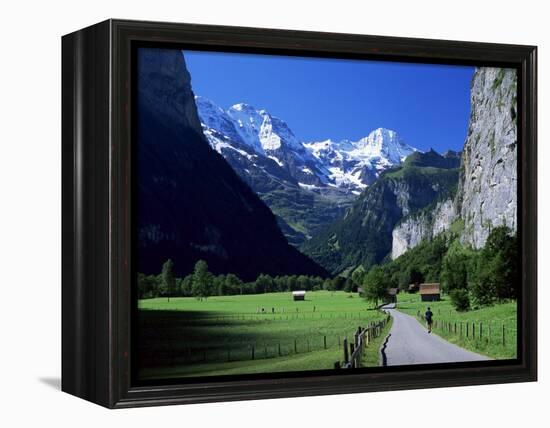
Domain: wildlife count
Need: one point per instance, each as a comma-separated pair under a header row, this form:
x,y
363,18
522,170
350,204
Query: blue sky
x,y
428,105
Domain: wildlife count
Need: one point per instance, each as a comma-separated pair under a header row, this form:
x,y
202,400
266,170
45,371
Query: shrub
x,y
460,298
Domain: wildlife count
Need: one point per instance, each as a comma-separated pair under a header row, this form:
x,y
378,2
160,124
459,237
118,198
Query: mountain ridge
x,y
192,205
364,235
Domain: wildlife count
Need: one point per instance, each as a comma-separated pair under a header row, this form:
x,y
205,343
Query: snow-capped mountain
x,y
356,164
259,139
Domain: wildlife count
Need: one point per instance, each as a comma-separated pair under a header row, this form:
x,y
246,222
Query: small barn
x,y
299,295
430,292
392,294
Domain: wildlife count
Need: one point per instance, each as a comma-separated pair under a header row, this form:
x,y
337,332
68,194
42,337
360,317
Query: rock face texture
x,y
487,187
364,235
487,193
426,224
191,204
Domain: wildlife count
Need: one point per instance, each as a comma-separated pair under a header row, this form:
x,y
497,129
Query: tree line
x,y
202,283
471,278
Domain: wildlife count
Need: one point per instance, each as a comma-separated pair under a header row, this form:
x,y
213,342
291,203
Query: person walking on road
x,y
429,319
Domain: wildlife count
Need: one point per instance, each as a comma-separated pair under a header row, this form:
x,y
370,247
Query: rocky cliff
x,y
487,193
487,188
191,204
425,224
364,235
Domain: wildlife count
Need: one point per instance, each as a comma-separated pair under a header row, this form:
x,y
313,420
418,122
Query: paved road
x,y
410,343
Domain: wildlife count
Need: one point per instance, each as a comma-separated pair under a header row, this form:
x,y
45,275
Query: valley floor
x,y
232,335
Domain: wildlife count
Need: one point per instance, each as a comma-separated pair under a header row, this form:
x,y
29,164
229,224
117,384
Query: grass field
x,y
231,335
483,327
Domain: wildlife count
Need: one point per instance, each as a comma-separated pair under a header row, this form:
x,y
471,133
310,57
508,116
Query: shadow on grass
x,y
181,338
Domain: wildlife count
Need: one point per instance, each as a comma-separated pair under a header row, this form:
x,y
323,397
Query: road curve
x,y
410,343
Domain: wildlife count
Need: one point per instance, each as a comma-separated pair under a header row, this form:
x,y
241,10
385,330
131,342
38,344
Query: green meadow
x,y
489,330
232,335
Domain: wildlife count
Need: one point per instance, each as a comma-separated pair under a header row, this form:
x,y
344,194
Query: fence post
x,y
503,336
480,331
325,342
467,328
346,351
489,335
295,347
253,352
474,330
279,349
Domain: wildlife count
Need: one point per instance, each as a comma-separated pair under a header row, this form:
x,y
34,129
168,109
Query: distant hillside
x,y
191,204
364,235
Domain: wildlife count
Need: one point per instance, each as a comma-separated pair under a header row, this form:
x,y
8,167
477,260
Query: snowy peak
x,y
250,132
261,130
385,143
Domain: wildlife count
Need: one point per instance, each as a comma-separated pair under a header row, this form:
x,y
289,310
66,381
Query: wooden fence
x,y
353,351
491,333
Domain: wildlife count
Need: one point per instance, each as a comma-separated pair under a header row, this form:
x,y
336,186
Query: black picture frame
x,y
97,210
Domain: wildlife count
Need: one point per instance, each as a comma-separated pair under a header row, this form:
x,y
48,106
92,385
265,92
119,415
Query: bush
x,y
454,268
460,298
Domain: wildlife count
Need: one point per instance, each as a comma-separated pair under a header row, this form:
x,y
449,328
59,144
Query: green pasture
x,y
479,330
231,334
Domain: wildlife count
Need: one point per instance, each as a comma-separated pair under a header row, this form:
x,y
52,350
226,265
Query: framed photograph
x,y
253,213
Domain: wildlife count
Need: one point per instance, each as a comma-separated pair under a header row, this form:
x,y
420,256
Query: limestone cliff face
x,y
414,229
487,193
487,187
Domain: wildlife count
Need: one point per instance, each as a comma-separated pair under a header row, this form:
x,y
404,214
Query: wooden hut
x,y
430,292
392,294
299,295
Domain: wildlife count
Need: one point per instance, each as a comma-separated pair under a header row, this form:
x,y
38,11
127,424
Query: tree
x,y
502,249
415,276
339,282
376,285
329,285
410,275
168,279
147,286
454,268
303,282
264,283
202,281
218,286
350,285
460,298
233,284
187,286
484,286
496,273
